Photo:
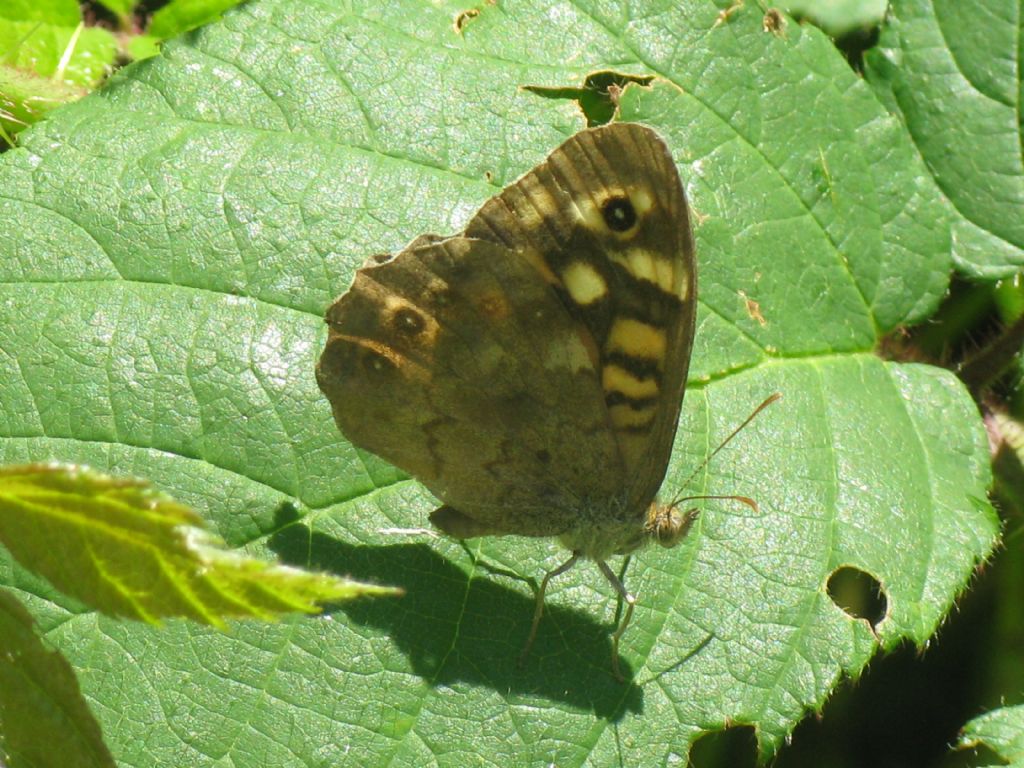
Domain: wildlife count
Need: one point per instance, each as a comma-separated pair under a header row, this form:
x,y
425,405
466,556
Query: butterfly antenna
x,y
707,459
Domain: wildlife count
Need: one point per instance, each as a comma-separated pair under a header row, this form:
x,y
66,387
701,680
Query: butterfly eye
x,y
619,214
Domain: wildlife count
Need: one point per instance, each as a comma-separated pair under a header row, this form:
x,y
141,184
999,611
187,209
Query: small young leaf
x,y
75,55
64,12
26,98
120,546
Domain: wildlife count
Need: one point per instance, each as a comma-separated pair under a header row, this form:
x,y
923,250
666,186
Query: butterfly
x,y
530,370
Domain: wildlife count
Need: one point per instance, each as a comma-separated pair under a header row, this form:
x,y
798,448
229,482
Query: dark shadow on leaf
x,y
40,700
454,628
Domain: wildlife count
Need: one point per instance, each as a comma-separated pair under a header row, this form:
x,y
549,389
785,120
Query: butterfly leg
x,y
538,609
626,560
494,570
630,601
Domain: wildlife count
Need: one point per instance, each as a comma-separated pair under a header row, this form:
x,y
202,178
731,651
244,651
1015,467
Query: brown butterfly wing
x,y
530,372
454,362
605,221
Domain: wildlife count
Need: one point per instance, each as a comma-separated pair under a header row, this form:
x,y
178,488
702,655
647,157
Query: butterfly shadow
x,y
455,628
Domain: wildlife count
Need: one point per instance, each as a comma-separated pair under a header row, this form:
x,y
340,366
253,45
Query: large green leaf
x,y
950,69
168,249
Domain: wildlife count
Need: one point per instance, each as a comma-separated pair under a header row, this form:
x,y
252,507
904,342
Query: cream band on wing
x,y
380,357
642,200
614,378
626,417
584,283
637,339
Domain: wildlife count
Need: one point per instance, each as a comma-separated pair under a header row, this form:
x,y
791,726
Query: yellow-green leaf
x,y
128,550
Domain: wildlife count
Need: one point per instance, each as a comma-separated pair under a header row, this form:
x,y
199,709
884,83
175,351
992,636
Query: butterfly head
x,y
667,524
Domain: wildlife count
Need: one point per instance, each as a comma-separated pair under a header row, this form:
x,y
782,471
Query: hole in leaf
x,y
852,42
907,706
462,18
598,97
735,746
858,593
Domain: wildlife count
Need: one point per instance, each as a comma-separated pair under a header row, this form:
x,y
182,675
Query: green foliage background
x,y
168,246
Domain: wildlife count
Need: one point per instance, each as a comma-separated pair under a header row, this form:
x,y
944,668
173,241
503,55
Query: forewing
x,y
604,221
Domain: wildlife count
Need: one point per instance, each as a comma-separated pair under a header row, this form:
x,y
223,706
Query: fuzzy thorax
x,y
663,523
